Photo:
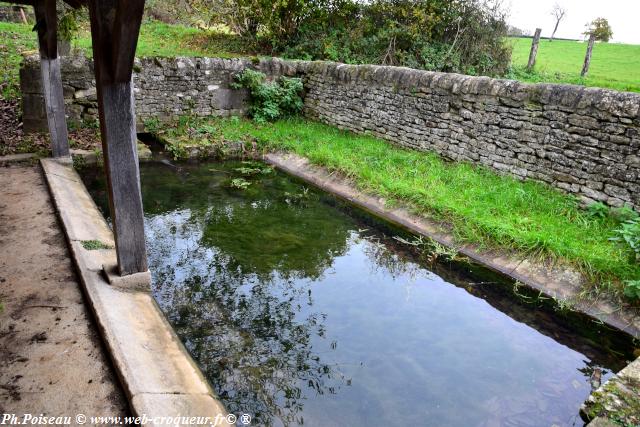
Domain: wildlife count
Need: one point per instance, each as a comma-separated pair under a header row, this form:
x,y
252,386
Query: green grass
x,y
613,65
481,206
156,39
159,39
14,39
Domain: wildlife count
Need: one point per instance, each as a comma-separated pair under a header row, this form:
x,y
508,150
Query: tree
x,y
600,28
517,32
558,12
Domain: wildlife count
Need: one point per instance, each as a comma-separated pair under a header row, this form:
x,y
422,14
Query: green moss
x,y
619,405
94,245
79,162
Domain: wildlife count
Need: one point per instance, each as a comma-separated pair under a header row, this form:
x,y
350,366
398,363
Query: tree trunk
x,y
554,30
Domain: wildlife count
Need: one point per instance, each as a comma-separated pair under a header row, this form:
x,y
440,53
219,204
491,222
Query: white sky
x,y
623,16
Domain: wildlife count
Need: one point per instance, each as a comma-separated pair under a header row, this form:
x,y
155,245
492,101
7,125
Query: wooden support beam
x,y
46,26
125,38
115,27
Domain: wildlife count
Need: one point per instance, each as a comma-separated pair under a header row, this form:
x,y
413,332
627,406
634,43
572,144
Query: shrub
x,y
465,36
632,289
270,100
629,233
598,210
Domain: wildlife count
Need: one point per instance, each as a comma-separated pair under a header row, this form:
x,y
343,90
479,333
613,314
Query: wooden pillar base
x,y
54,104
121,160
115,26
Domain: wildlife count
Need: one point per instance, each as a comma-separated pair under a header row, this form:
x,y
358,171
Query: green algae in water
x,y
302,311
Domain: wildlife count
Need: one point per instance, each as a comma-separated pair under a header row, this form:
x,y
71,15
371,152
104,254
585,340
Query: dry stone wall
x,y
164,88
585,141
11,13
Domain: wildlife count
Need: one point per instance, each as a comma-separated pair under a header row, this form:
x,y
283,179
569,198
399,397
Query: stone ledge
x,y
156,372
616,400
137,282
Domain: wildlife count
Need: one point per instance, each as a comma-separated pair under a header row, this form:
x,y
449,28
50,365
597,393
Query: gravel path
x,y
52,360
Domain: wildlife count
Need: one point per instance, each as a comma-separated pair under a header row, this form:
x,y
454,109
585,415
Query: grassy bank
x,y
613,65
481,206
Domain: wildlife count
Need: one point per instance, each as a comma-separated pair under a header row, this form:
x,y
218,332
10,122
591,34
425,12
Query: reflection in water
x,y
300,312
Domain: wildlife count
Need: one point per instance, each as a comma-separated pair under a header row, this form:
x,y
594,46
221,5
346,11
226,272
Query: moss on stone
x,y
618,401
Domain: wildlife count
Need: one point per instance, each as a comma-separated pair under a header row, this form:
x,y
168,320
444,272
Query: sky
x,y
623,17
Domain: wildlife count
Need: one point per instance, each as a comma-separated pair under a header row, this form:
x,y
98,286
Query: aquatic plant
x,y
239,183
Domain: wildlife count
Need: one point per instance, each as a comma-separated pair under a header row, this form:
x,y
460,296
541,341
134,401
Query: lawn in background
x,y
14,39
160,39
156,39
613,65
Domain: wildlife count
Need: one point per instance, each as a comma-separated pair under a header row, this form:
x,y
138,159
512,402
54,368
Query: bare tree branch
x,y
558,12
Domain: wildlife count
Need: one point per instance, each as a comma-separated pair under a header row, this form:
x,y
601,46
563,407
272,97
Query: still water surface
x,y
301,310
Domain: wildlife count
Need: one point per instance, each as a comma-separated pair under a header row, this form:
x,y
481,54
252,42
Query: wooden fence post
x,y
534,49
23,16
587,58
46,25
115,25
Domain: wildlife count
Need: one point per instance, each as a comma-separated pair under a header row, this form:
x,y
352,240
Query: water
x,y
301,310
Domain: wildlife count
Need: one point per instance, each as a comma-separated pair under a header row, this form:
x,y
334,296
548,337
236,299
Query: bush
x,y
270,100
629,233
466,36
632,289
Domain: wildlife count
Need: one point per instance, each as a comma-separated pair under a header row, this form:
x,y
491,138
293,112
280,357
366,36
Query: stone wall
x,y
585,141
164,88
11,13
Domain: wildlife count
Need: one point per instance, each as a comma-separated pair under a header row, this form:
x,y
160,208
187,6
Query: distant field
x,y
613,65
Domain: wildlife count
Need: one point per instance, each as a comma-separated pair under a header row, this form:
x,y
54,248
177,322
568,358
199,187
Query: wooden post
x,y
46,25
115,25
534,49
587,58
23,16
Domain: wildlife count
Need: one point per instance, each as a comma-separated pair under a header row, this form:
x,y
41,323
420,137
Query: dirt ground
x,y
13,140
52,360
